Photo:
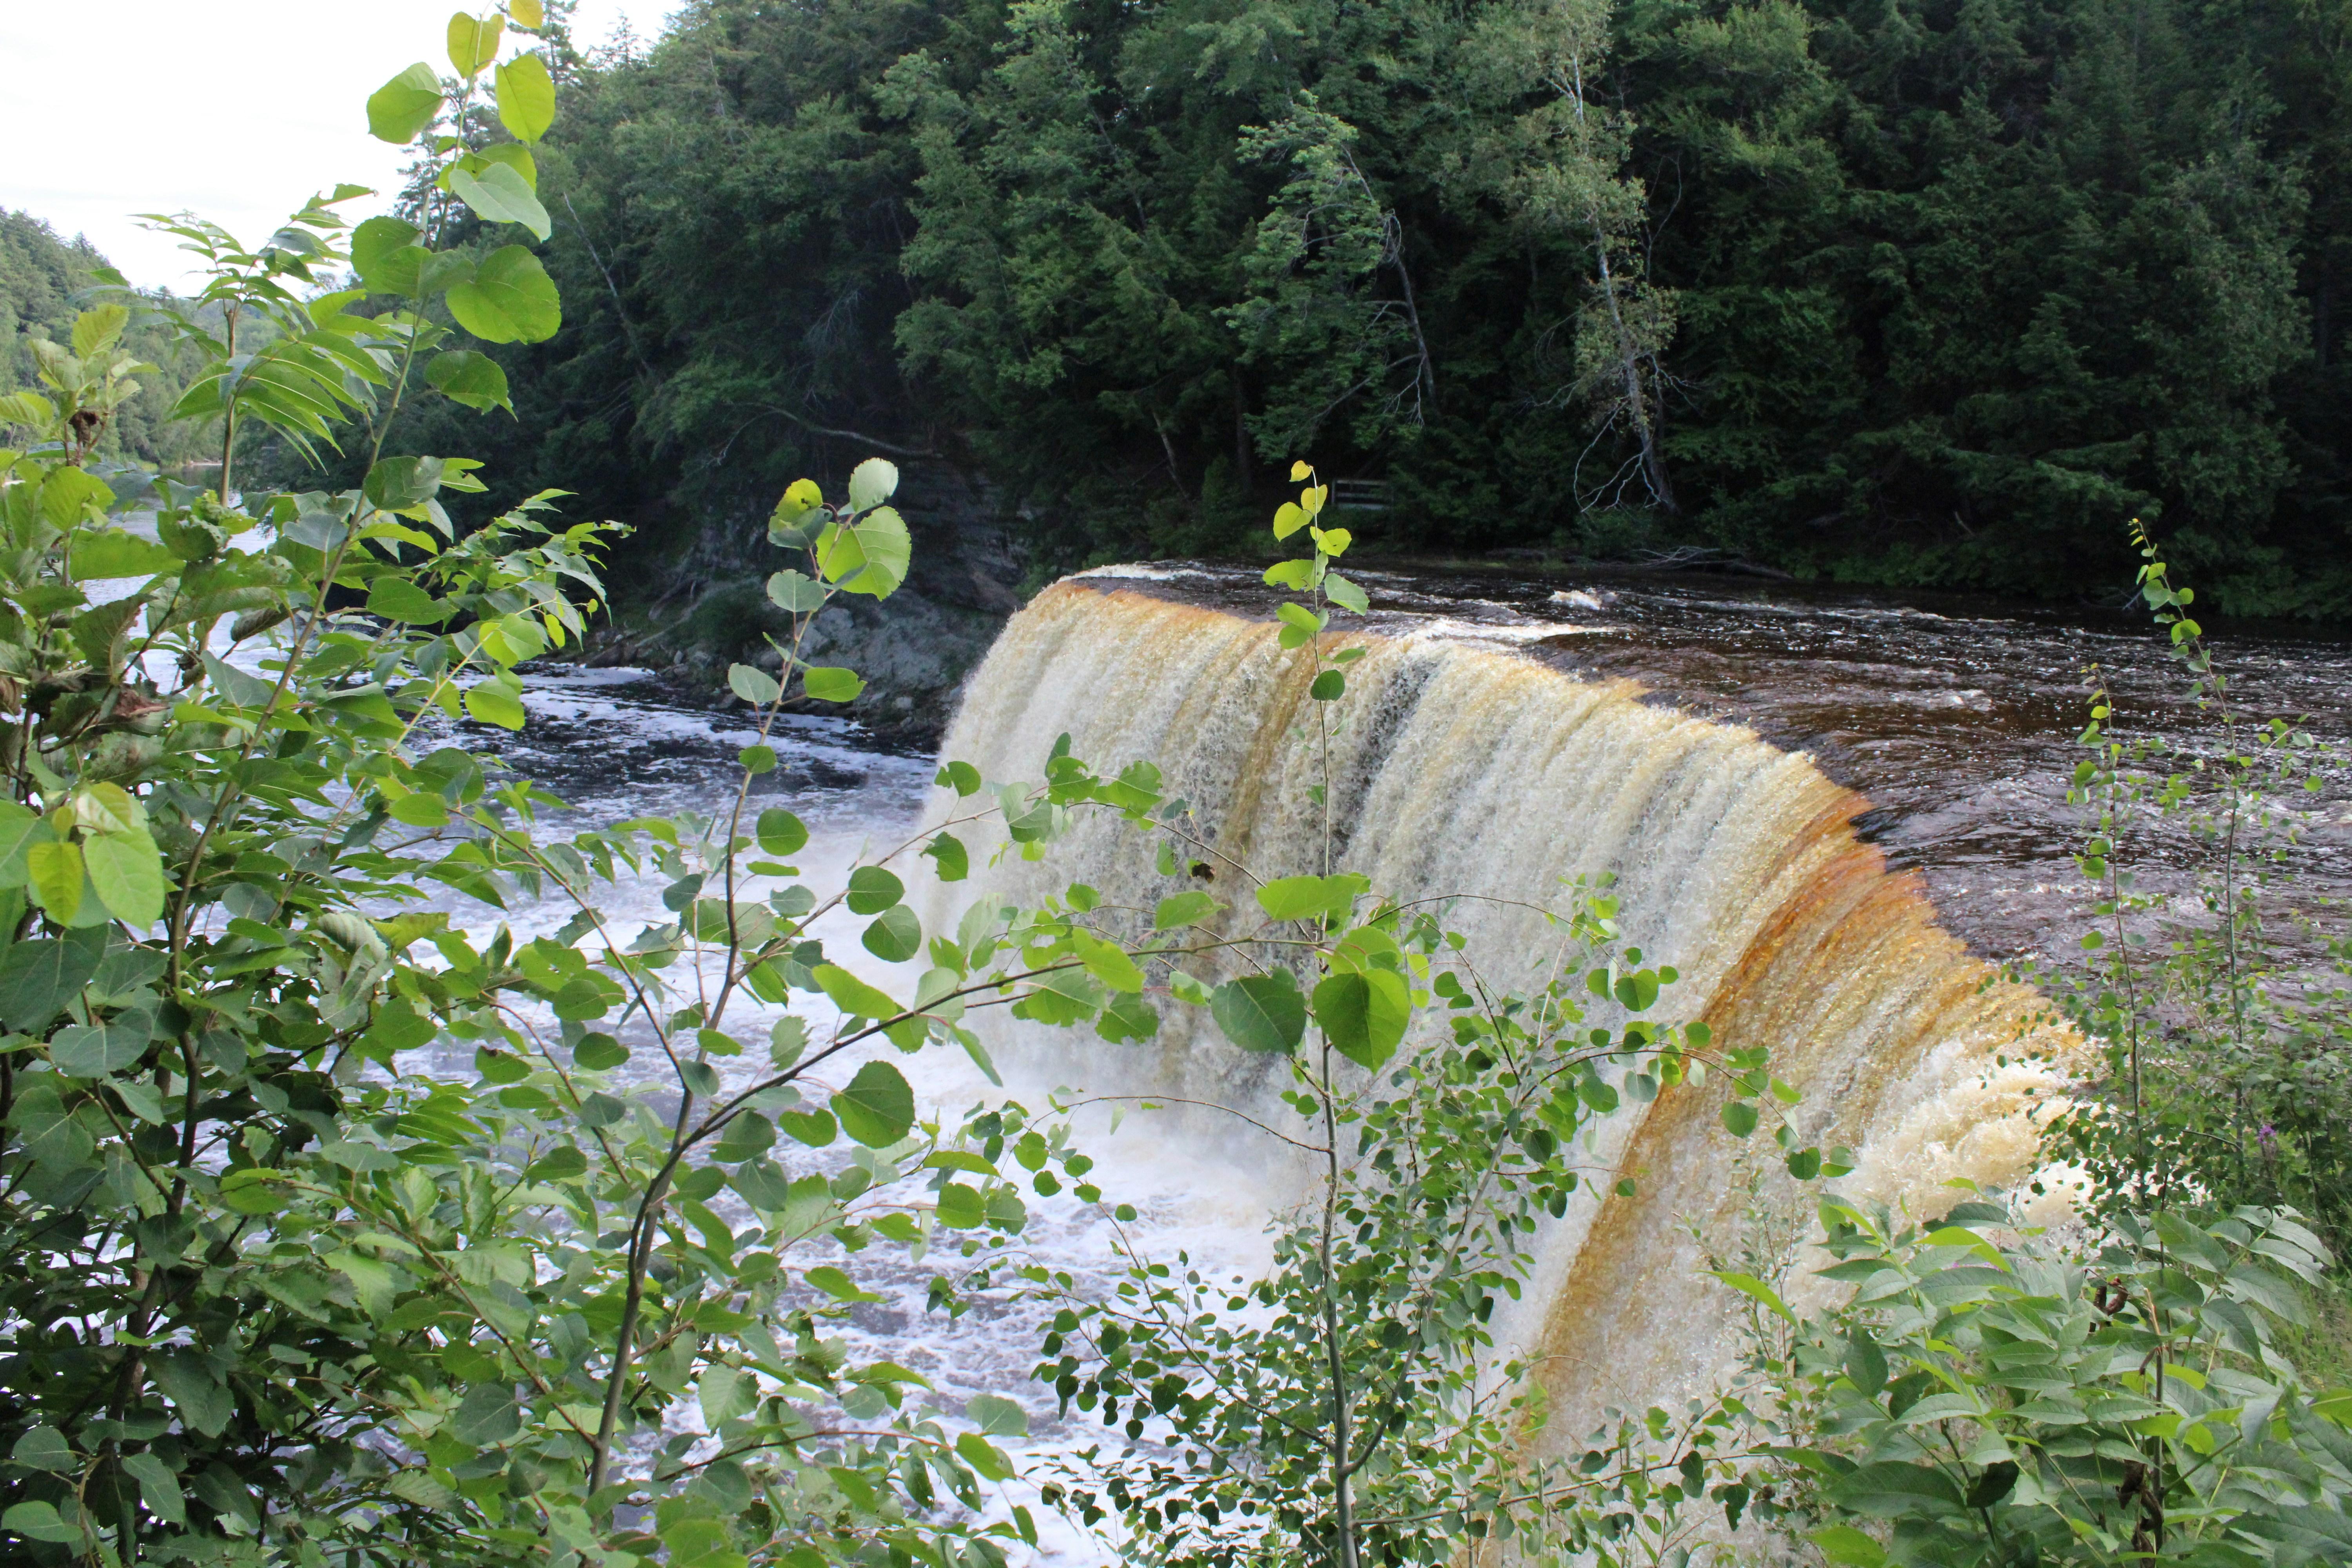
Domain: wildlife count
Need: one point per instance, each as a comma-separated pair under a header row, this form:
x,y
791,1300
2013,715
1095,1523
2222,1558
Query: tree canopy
x,y
1911,291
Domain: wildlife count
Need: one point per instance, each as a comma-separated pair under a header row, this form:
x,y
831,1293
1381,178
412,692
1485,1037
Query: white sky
x,y
97,121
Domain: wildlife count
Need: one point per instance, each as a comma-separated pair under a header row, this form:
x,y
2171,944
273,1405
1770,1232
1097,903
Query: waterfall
x,y
1457,771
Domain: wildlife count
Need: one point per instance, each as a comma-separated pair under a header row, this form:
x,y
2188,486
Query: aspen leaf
x,y
829,683
869,556
1364,1015
877,1108
852,996
779,832
1262,1012
871,483
752,684
873,889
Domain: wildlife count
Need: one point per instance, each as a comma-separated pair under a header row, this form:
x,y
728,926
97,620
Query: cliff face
x,y
708,608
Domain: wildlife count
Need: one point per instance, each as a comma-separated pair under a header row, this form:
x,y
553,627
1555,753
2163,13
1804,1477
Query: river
x,y
1954,720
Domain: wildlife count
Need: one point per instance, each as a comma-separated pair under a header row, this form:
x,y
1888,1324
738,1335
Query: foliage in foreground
x,y
1982,1398
282,1287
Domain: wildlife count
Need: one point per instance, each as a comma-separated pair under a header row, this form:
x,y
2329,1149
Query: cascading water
x,y
1460,771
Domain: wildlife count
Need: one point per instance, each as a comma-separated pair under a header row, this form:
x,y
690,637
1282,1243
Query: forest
x,y
1913,291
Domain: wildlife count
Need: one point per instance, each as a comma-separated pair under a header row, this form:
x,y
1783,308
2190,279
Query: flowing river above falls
x,y
1800,793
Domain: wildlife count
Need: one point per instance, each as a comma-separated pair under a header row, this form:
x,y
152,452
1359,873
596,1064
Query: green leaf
x,y
473,42
187,1378
871,483
561,1164
1364,1015
420,810
471,377
1892,1490
829,683
511,299
158,1487
493,702
838,1284
526,98
397,484
1109,963
1181,909
1749,1285
1739,1118
1845,1545
98,328
1329,687
781,833
27,408
38,977
725,1393
98,1050
1294,574
868,556
19,829
895,936
991,1463
54,872
1261,1013
752,684
38,1522
70,495
998,1416
398,599
403,106
386,255
877,1108
42,1448
1127,1017
111,552
1310,897
813,1127
852,996
599,1053
1866,1364
1344,594
128,872
796,592
488,1415
947,851
873,890
498,193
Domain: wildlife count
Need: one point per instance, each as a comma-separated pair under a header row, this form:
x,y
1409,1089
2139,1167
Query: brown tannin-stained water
x,y
1954,717
1828,813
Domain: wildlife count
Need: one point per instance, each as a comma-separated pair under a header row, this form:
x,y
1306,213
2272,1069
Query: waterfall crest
x,y
1457,770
